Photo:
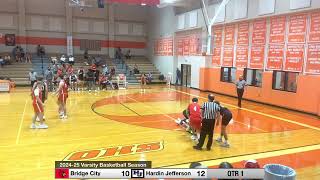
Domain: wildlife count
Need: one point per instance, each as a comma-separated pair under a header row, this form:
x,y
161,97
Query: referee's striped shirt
x,y
209,110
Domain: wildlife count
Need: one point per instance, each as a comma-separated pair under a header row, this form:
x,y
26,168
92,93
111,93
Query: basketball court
x,y
128,118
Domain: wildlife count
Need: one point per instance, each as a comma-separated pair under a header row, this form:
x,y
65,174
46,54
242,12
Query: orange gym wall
x,y
307,97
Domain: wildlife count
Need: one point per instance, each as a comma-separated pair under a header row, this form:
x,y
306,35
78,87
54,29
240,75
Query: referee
x,y
240,89
210,111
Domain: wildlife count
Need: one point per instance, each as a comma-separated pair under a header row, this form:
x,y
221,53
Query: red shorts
x,y
63,98
195,124
37,108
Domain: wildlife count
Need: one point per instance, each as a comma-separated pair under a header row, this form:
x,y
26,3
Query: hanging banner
x,y
275,57
294,58
229,34
193,45
259,31
227,56
217,36
69,46
314,34
170,47
277,29
257,57
186,46
243,33
297,28
155,48
216,56
242,56
180,47
313,59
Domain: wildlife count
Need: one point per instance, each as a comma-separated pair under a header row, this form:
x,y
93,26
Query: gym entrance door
x,y
186,75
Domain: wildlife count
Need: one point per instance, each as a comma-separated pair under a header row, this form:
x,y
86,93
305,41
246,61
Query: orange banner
x,y
216,56
314,34
179,46
259,31
170,47
217,36
243,33
229,34
275,57
294,58
313,59
227,56
257,57
297,28
163,47
277,29
186,46
242,56
195,45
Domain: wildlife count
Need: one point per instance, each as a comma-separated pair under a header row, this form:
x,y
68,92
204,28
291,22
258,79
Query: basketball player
x,y
192,120
184,122
38,107
226,117
44,90
195,118
62,93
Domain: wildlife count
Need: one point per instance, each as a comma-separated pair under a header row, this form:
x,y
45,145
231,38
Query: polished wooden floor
x,y
135,117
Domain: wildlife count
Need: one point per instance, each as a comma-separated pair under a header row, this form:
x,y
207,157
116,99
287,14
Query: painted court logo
x,y
115,151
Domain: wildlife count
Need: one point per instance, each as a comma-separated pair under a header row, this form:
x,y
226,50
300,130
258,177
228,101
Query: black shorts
x,y
226,119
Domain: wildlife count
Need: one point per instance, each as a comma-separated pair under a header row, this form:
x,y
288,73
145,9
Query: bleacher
x,y
19,72
144,67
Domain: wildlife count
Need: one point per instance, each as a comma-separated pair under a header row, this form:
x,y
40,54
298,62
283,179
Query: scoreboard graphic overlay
x,y
142,169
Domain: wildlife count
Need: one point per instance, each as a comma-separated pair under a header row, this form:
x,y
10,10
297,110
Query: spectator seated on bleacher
x,y
135,69
54,60
98,61
1,61
149,78
7,59
71,60
128,54
63,59
105,70
104,82
112,71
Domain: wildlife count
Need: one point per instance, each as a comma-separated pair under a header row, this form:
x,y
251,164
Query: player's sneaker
x,y
43,126
178,121
61,116
33,126
225,144
65,116
219,140
194,137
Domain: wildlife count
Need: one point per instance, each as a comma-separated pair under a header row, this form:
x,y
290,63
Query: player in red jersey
x,y
192,120
38,107
62,93
195,118
44,92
